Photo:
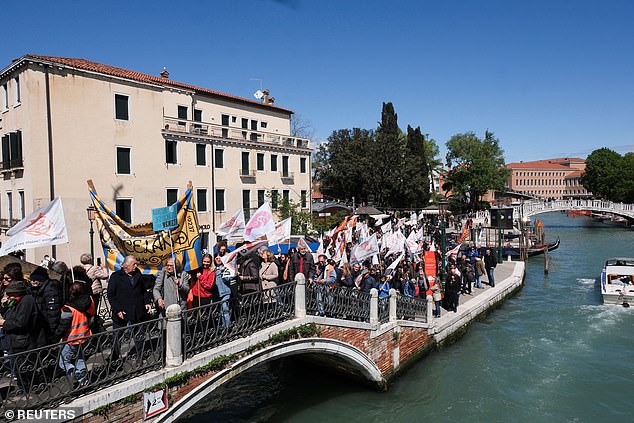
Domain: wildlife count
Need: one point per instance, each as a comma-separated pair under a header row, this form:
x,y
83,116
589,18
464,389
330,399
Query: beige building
x,y
140,138
553,178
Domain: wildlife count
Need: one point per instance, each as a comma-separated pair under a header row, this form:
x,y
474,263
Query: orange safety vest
x,y
79,327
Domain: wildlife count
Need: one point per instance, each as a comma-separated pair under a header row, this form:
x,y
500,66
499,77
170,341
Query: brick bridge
x,y
360,335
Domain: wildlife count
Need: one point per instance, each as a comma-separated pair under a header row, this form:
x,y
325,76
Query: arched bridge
x,y
531,208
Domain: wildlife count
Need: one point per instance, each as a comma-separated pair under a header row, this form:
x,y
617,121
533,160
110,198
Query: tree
x,y
415,171
476,166
609,175
302,127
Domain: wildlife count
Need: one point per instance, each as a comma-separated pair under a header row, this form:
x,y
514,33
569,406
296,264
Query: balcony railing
x,y
11,164
247,175
226,132
288,177
8,223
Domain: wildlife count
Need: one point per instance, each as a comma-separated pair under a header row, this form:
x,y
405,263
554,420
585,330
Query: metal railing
x,y
411,308
211,325
384,309
338,302
213,130
51,375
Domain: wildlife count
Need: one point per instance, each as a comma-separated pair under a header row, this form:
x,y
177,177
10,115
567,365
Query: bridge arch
x,y
532,208
348,358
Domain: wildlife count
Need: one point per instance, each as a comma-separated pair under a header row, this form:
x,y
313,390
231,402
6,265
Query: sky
x,y
551,78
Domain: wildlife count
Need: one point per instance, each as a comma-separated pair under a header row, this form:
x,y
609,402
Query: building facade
x,y
140,138
558,178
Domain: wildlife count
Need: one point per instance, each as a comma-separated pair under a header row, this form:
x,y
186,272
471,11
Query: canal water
x,y
552,353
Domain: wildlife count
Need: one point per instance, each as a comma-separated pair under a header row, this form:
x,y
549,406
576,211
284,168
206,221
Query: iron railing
x,y
411,308
214,324
338,302
51,375
384,309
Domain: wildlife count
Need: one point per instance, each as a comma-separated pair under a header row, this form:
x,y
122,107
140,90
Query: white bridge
x,y
533,207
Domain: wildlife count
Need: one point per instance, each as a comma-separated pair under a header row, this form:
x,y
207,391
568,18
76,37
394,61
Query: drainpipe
x,y
51,172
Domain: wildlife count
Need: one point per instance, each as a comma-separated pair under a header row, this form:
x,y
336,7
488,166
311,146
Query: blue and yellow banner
x,y
151,249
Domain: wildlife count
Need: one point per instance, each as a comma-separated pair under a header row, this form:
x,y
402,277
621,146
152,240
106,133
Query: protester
x,y
21,323
302,262
249,273
268,275
200,292
48,300
97,274
490,263
222,288
171,286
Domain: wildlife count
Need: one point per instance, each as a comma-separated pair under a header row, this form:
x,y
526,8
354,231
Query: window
x,y
246,203
16,82
304,196
219,158
182,114
201,155
220,200
273,162
5,97
254,125
22,211
12,150
302,164
198,115
171,196
9,205
170,152
260,197
123,161
260,161
245,123
274,199
285,166
285,196
245,163
225,120
121,107
263,125
124,209
201,200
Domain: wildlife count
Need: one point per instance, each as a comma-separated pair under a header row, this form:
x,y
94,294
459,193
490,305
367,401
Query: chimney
x,y
266,99
165,74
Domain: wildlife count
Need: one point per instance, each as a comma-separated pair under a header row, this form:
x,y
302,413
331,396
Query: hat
x,y
39,274
16,289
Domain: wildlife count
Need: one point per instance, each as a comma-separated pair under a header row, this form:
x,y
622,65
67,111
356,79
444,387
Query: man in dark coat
x,y
22,325
490,262
128,301
249,273
301,262
48,300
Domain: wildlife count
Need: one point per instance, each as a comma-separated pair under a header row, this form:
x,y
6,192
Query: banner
x,y
366,249
45,226
151,249
260,224
233,226
430,263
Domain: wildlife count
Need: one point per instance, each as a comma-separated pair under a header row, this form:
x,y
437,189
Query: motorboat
x,y
617,281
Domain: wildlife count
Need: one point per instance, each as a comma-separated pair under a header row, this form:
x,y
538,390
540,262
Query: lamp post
x,y
442,213
90,211
499,230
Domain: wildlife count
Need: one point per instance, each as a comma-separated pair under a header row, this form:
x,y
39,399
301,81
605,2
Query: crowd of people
x,y
40,310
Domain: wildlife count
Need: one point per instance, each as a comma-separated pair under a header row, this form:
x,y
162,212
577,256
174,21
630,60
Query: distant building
x,y
553,178
140,138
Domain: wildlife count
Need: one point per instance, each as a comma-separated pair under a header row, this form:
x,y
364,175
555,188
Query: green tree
x,y
415,171
301,221
609,175
476,166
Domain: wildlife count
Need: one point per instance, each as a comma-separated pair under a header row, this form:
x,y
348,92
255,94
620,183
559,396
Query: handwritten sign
x,y
164,218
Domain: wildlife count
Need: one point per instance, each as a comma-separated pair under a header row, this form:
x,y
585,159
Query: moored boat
x,y
617,281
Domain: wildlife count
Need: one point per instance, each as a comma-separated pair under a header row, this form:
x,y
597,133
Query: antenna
x,y
258,94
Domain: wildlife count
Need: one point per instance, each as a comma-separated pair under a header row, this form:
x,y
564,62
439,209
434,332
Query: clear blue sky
x,y
551,78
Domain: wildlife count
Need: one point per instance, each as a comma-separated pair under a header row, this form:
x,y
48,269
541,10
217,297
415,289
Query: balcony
x,y
13,164
247,176
213,130
288,178
7,224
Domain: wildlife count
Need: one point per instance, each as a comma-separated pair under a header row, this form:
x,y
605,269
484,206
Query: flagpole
x,y
70,262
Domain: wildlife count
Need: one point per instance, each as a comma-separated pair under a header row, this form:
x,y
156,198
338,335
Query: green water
x,y
552,353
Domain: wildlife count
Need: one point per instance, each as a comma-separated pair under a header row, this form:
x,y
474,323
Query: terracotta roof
x,y
88,65
552,164
575,174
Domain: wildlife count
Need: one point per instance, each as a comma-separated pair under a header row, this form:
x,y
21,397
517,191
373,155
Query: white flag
x,y
366,249
390,269
230,259
233,226
301,243
43,227
260,224
387,227
281,233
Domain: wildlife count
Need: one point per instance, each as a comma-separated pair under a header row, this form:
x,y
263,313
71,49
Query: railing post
x,y
174,339
300,295
374,307
392,305
430,305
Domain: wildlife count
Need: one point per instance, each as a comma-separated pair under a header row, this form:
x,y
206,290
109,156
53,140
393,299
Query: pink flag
x,y
230,260
260,224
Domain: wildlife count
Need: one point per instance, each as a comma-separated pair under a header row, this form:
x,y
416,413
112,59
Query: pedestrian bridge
x,y
192,353
534,207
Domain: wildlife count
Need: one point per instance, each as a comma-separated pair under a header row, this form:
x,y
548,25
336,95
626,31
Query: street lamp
x,y
90,211
442,213
500,215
